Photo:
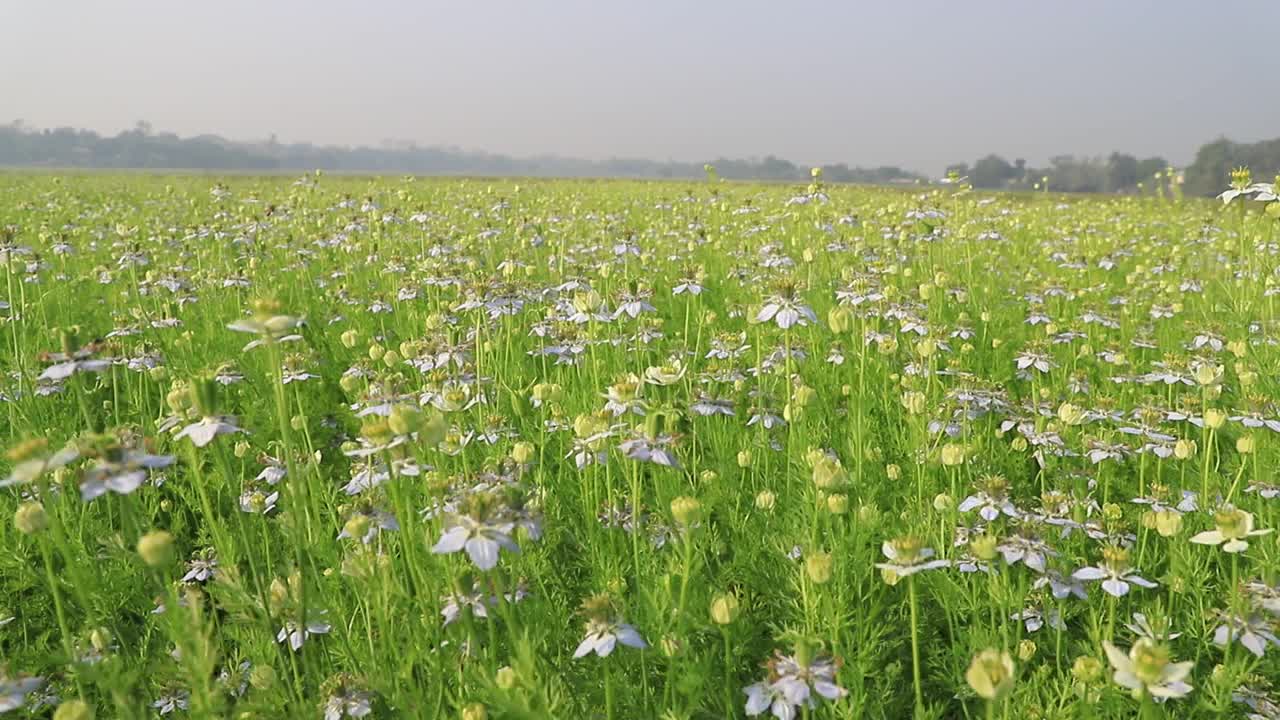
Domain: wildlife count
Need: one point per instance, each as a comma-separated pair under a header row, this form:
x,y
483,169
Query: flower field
x,y
345,447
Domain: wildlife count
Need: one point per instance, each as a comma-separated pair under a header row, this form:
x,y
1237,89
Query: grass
x,y
479,433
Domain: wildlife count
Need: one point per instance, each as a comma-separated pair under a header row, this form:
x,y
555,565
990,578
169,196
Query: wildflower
x,y
1030,551
1147,669
1156,632
296,633
30,463
668,374
907,555
786,310
482,533
1114,571
201,568
1233,526
792,682
14,690
265,323
258,502
992,499
605,629
71,360
345,697
990,674
119,469
1253,631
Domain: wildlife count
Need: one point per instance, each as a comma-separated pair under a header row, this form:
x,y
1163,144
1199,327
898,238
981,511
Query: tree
x,y
1122,172
991,171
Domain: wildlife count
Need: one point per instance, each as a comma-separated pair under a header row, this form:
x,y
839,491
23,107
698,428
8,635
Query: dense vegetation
x,y
143,148
363,447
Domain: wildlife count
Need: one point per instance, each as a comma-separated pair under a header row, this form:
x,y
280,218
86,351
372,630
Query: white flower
x,y
14,691
121,470
203,431
1233,526
908,556
481,539
604,635
790,685
29,470
1147,669
786,313
1114,572
297,633
1253,632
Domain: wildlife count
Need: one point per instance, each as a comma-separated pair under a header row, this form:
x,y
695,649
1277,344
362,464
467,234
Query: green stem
x,y
915,646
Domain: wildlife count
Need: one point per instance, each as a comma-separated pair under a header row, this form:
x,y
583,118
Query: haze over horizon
x,y
917,85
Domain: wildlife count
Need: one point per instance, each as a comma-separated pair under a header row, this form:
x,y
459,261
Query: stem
x,y
915,645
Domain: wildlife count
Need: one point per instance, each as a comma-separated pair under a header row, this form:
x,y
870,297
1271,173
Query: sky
x,y
914,83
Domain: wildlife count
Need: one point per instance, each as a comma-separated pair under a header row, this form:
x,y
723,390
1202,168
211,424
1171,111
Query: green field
x,y
377,447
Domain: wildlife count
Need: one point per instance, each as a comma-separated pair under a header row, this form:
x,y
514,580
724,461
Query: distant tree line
x,y
143,148
1118,173
1122,173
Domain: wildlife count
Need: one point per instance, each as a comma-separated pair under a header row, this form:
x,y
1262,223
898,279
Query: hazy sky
x,y
918,83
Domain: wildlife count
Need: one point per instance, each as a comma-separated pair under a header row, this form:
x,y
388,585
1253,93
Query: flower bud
x,y
350,383
156,548
765,501
990,674
984,546
1208,374
262,677
1214,418
803,396
828,473
242,449
505,678
1184,449
30,518
73,710
1026,650
818,567
838,504
1244,444
686,510
892,471
953,455
1087,670
405,419
1168,522
1070,414
943,502
724,609
914,401
376,352
357,526
523,452
349,339
475,711
840,319
100,639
